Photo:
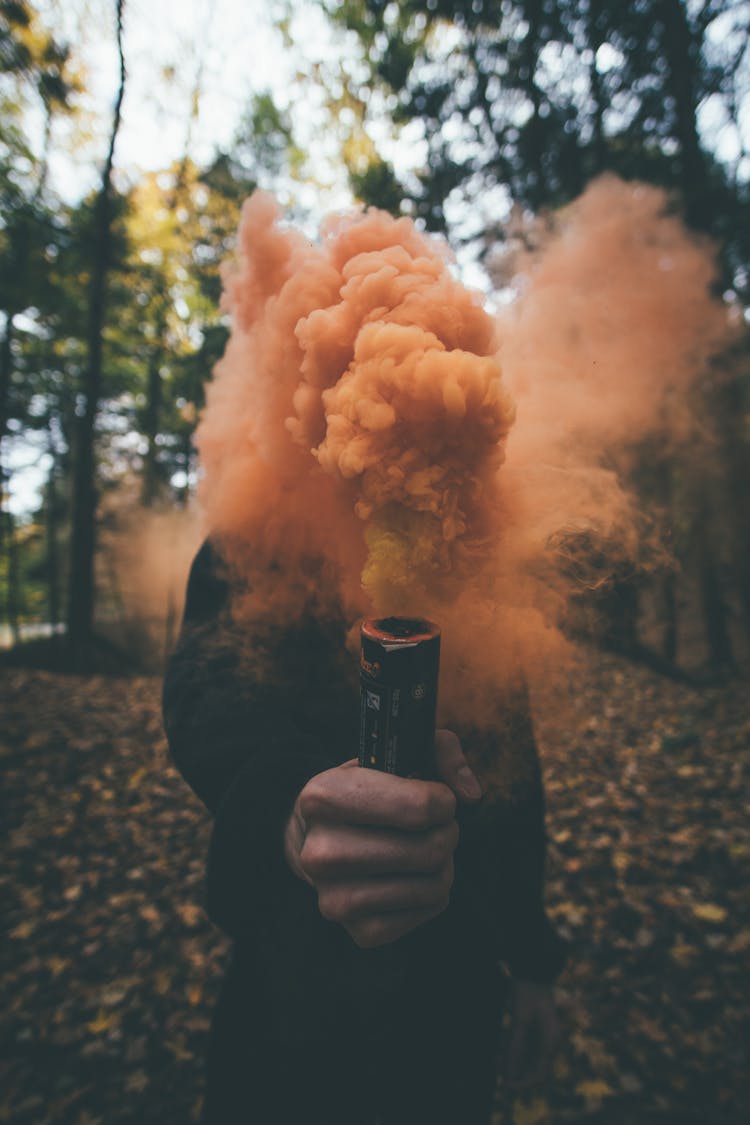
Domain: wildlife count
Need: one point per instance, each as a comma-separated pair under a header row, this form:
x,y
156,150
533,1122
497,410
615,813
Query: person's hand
x,y
534,1034
378,848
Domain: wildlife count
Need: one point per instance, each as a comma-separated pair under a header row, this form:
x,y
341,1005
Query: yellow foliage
x,y
709,912
535,1112
594,1091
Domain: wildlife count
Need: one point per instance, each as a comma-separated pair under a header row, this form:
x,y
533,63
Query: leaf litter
x,y
111,967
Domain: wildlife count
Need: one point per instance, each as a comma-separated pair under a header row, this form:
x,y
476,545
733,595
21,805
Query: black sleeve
x,y
510,843
238,745
529,945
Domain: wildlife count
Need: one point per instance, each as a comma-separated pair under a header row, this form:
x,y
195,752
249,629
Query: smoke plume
x,y
144,561
375,441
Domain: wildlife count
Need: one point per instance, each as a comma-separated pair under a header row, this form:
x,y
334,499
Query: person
x,y
376,920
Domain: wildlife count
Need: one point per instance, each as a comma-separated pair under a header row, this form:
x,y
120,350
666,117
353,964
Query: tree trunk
x,y
53,551
731,414
598,98
669,633
6,365
14,578
618,606
682,49
150,485
532,45
81,586
150,480
6,370
663,491
187,461
713,604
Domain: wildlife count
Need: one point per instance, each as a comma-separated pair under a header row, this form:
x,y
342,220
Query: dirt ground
x,y
110,966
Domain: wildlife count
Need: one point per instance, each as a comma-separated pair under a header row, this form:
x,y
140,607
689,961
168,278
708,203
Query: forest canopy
x,y
481,120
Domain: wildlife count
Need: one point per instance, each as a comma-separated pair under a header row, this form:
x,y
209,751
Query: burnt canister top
x,y
399,632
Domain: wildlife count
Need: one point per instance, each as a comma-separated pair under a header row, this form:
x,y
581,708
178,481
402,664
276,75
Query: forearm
x,y
530,945
248,874
508,836
239,746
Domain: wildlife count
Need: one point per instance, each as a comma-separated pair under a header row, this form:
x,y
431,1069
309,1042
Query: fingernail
x,y
468,783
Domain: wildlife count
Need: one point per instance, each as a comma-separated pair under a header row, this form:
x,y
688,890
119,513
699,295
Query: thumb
x,y
453,768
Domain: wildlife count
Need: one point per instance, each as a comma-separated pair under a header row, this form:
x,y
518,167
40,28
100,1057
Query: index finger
x,y
352,794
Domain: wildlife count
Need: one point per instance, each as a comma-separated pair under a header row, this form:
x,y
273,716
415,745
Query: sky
x,y
234,48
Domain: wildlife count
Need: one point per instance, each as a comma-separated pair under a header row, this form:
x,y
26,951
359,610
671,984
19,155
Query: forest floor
x,y
111,967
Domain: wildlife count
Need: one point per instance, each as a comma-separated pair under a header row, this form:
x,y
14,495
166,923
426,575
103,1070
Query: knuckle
x,y
442,803
325,907
446,877
421,808
330,906
432,805
311,800
440,847
316,855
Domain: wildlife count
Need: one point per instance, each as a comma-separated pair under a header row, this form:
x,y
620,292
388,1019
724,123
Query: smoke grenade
x,y
399,661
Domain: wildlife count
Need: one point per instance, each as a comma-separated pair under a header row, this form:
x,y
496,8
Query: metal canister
x,y
399,663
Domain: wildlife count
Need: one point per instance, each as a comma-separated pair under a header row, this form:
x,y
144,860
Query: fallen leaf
x,y
190,914
594,1091
740,943
535,1112
23,930
103,1023
683,954
709,912
620,862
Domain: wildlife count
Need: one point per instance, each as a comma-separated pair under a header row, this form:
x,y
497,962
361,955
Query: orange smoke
x,y
359,447
613,327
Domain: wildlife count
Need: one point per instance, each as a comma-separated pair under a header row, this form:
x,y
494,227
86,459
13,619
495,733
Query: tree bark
x,y
682,49
53,551
6,369
663,490
83,539
150,485
618,606
6,364
14,578
532,45
713,602
731,413
715,616
596,88
150,479
669,633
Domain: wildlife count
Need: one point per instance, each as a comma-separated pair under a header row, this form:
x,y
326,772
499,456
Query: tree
x,y
527,100
81,581
182,227
35,68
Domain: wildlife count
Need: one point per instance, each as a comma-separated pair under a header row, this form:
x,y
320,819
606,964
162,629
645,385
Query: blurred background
x,y
131,131
124,161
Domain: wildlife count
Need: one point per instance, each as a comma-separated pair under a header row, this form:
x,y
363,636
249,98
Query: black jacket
x,y
247,744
